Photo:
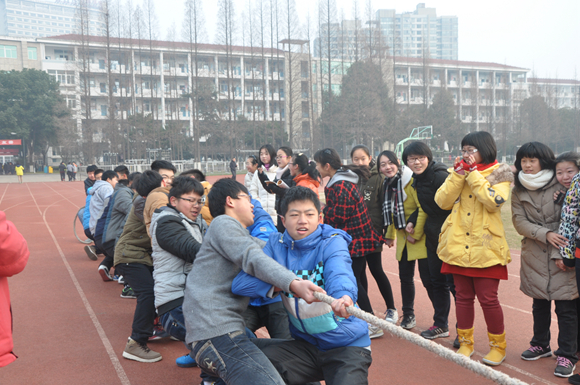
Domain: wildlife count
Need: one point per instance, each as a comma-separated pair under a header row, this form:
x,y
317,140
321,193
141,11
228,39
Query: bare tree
x,y
194,32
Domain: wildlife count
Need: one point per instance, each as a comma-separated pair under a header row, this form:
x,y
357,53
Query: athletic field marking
x,y
6,189
109,348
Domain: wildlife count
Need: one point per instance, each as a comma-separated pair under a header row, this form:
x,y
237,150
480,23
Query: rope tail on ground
x,y
448,354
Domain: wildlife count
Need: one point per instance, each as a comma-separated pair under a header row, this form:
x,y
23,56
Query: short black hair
x,y
122,169
483,141
254,159
185,185
99,171
570,156
194,172
271,151
298,193
133,178
328,156
91,168
287,150
223,188
109,174
419,149
390,155
536,150
148,182
162,164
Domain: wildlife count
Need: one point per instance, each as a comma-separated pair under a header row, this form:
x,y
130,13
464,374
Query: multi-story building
x,y
558,93
484,93
417,34
28,18
155,78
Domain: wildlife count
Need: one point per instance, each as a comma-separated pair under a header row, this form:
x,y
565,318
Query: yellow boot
x,y
497,353
465,342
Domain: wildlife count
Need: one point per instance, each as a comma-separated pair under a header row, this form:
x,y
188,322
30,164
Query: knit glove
x,y
459,168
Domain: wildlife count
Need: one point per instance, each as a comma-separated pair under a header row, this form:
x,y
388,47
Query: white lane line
x,y
6,189
105,340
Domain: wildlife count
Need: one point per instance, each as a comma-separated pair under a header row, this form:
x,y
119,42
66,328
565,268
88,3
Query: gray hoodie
x,y
101,191
347,175
209,307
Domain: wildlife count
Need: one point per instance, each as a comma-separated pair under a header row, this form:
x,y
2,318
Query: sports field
x,y
70,327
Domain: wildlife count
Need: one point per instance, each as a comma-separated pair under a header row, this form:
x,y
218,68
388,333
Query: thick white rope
x,y
448,354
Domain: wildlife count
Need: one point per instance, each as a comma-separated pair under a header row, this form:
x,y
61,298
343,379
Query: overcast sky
x,y
541,35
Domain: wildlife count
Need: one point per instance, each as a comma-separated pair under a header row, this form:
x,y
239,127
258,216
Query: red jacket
x,y
345,210
13,257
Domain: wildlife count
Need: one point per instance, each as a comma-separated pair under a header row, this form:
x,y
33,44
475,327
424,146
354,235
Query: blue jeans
x,y
236,360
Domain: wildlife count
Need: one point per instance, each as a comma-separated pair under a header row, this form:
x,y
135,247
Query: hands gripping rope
x,y
474,366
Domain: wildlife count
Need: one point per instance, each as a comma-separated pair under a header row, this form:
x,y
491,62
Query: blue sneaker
x,y
186,362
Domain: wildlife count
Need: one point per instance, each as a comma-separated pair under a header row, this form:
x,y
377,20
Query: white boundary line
x,y
103,336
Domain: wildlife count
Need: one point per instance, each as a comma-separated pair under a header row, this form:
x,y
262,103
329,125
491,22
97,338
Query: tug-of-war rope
x,y
448,354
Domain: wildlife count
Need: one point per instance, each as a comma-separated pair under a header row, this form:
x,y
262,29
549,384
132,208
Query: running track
x,y
70,327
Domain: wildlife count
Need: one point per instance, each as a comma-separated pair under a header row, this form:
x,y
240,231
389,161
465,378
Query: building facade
x,y
416,34
31,19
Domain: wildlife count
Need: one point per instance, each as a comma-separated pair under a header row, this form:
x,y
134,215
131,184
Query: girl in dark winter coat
x,y
372,192
345,210
428,176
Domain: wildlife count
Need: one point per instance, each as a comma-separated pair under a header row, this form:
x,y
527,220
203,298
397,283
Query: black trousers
x,y
375,264
273,316
140,278
234,174
299,362
567,326
440,287
359,269
108,261
406,276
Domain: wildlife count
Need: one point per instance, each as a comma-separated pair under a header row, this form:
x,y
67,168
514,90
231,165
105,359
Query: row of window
x,y
11,52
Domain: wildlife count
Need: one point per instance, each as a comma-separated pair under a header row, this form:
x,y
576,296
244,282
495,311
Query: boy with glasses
x,y
177,232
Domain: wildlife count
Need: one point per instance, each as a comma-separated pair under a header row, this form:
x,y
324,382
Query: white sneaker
x,y
104,272
375,332
392,316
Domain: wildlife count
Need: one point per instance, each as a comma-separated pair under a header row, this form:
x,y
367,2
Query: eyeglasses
x,y
416,159
244,196
469,151
280,157
193,201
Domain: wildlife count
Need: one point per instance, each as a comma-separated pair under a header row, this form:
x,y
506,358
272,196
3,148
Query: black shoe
x,y
456,343
575,379
408,321
435,332
564,367
536,352
128,292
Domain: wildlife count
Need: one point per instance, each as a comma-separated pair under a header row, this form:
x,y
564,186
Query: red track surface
x,y
70,327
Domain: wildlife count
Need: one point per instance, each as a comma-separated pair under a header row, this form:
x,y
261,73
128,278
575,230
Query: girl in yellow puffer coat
x,y
472,243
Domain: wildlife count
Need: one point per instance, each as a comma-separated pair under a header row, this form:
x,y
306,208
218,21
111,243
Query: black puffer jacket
x,y
427,185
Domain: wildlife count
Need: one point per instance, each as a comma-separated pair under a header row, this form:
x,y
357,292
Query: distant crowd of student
x,y
209,265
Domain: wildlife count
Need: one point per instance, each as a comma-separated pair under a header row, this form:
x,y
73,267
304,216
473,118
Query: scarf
x,y
267,166
280,171
480,166
533,182
393,209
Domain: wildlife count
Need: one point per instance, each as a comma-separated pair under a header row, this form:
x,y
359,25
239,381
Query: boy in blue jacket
x,y
328,344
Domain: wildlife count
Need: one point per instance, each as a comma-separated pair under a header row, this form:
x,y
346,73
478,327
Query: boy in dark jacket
x,y
428,177
90,181
328,344
133,261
